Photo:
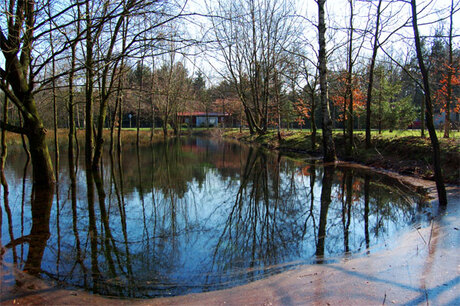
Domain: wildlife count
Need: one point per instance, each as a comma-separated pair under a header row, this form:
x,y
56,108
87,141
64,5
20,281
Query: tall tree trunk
x,y
55,119
278,104
165,125
380,104
328,141
313,120
43,174
429,113
89,148
70,106
349,146
116,115
77,114
89,91
241,120
139,101
449,74
4,182
375,47
56,148
106,83
249,120
120,126
345,114
4,152
422,117
71,158
152,101
24,179
152,111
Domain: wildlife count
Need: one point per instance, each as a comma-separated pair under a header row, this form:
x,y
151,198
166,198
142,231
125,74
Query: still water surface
x,y
195,215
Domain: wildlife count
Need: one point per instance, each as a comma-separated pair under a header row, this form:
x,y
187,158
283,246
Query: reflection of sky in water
x,y
217,216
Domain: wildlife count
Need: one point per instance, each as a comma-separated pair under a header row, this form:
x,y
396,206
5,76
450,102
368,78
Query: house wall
x,y
201,121
197,121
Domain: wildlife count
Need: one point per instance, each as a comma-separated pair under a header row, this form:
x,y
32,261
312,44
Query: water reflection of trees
x,y
188,215
258,231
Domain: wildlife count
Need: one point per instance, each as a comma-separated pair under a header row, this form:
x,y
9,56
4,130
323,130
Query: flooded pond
x,y
194,215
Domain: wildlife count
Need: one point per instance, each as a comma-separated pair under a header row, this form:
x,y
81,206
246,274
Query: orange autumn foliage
x,y
359,103
340,92
303,109
441,95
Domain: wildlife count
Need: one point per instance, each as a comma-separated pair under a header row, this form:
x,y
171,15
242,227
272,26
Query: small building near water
x,y
203,119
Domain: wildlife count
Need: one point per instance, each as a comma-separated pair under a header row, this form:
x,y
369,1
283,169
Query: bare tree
x,y
251,36
173,88
105,44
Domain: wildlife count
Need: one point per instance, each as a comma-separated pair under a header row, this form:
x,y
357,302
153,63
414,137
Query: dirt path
x,y
420,267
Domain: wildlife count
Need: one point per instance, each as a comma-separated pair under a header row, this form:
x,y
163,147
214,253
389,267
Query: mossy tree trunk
x,y
43,174
17,49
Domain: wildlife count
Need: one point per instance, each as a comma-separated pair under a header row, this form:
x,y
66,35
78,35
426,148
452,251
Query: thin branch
x,y
12,128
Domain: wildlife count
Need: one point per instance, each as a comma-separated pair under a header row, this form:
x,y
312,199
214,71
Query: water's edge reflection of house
x,y
197,119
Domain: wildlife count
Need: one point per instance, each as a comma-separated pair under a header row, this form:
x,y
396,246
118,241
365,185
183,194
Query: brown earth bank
x,y
421,266
406,155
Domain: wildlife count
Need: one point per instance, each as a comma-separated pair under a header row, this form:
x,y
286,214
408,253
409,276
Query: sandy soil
x,y
420,267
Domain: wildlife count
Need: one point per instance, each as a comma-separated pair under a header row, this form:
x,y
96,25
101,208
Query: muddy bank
x,y
419,267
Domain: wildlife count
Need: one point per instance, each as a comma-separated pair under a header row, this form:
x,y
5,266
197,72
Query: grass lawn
x,y
385,133
405,133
